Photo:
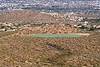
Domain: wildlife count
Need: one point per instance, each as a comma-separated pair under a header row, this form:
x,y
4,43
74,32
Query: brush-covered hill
x,y
27,17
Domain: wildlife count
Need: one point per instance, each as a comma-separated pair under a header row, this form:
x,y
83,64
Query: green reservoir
x,y
56,35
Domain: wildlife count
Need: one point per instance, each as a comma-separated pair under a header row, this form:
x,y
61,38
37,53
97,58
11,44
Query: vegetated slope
x,y
27,17
25,51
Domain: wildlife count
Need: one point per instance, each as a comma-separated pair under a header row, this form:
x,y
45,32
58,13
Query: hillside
x,y
19,48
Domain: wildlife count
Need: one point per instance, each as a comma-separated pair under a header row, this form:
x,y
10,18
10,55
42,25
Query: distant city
x,y
89,6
